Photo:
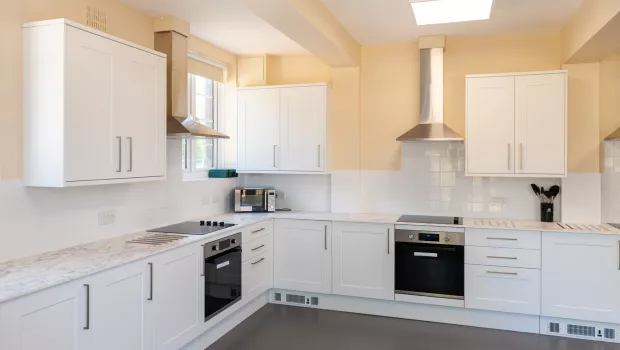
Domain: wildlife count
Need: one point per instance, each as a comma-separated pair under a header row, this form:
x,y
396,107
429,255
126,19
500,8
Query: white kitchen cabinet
x,y
259,138
363,260
94,107
51,319
179,296
516,124
257,275
581,276
283,129
302,255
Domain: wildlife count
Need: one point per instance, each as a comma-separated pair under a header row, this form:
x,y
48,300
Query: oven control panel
x,y
430,237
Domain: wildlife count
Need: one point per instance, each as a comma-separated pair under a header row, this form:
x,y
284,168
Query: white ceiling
x,y
390,21
224,23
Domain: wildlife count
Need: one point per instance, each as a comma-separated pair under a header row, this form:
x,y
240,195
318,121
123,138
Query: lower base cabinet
x,y
257,275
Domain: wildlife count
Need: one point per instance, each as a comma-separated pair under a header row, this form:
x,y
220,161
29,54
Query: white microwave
x,y
255,200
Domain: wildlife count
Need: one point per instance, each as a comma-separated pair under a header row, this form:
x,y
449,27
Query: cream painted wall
x,y
345,121
297,69
122,21
609,96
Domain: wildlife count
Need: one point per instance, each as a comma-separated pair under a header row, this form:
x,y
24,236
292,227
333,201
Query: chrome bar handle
x,y
274,156
388,239
186,151
151,282
256,262
325,237
120,154
130,139
203,259
502,239
319,154
502,273
87,326
257,248
508,156
521,156
259,230
502,257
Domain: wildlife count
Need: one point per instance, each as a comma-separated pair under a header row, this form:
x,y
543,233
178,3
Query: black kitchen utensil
x,y
536,189
555,190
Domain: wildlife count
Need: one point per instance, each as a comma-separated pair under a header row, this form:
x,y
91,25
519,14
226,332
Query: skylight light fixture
x,y
449,11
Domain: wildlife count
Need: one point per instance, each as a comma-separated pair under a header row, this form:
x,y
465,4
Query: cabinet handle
x,y
130,139
151,282
325,237
618,255
87,326
502,273
502,239
120,154
186,155
319,154
203,260
259,230
388,237
508,156
521,156
274,156
257,248
501,257
256,262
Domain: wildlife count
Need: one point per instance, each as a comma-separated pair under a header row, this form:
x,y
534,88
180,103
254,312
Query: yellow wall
x,y
390,84
345,144
122,21
298,69
609,96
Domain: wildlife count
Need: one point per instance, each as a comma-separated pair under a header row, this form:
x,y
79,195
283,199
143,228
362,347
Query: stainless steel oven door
x,y
222,272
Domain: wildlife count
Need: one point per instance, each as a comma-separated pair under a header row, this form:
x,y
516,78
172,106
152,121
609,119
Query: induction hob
x,y
194,227
423,219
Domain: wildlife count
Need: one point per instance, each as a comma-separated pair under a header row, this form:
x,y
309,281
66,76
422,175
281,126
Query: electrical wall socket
x,y
280,195
107,217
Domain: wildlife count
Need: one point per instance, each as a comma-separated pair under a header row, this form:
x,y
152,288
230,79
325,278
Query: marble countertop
x,y
28,275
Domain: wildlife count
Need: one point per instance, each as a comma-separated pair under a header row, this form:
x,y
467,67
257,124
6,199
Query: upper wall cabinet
x,y
516,125
283,129
94,107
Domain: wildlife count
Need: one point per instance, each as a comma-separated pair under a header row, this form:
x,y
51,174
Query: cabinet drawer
x,y
256,247
257,275
491,256
502,289
502,238
257,230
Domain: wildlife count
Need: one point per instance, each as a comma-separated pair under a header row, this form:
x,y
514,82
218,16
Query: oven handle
x,y
427,255
221,265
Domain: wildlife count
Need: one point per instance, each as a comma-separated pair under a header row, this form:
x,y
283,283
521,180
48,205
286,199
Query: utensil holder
x,y
546,212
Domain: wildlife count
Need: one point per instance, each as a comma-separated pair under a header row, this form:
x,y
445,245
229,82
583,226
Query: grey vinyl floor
x,y
278,327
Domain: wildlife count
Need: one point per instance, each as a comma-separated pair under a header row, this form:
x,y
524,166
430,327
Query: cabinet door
x,y
257,275
490,126
51,319
120,308
178,295
91,144
302,255
302,128
140,111
363,260
259,114
581,277
540,121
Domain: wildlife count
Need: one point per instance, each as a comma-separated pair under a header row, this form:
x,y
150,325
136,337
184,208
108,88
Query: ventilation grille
x,y
156,239
610,333
314,301
554,327
583,331
295,299
96,18
277,296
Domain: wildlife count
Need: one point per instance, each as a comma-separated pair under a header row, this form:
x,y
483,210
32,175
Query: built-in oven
x,y
253,200
222,271
430,263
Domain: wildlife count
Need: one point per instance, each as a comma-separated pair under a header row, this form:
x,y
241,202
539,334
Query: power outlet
x,y
281,195
107,217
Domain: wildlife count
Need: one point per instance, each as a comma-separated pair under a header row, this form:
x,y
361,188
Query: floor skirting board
x,y
421,312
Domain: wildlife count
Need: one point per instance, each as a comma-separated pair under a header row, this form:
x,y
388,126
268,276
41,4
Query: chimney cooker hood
x,y
179,123
431,127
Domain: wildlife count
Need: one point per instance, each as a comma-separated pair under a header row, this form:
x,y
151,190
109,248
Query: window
x,y
201,154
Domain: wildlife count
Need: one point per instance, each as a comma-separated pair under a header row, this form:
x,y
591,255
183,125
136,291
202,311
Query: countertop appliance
x,y
430,263
254,200
222,272
199,228
423,219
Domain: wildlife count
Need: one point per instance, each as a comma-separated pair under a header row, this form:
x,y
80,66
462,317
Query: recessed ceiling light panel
x,y
449,11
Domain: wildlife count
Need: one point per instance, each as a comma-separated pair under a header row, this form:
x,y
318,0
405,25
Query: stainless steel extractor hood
x,y
431,127
179,123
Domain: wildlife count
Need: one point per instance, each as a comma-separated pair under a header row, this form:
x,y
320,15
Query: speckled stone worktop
x,y
27,275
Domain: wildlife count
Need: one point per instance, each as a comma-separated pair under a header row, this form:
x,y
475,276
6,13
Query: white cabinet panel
x,y
502,238
257,247
120,309
51,319
257,275
302,128
581,276
526,258
502,289
178,294
302,255
363,260
258,111
490,125
257,230
540,110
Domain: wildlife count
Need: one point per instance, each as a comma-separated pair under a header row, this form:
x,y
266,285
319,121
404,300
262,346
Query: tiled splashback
x,y
610,183
431,181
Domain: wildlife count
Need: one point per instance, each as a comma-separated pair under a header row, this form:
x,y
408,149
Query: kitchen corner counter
x,y
31,274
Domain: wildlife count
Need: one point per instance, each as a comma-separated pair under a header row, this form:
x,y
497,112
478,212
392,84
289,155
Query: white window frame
x,y
189,166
